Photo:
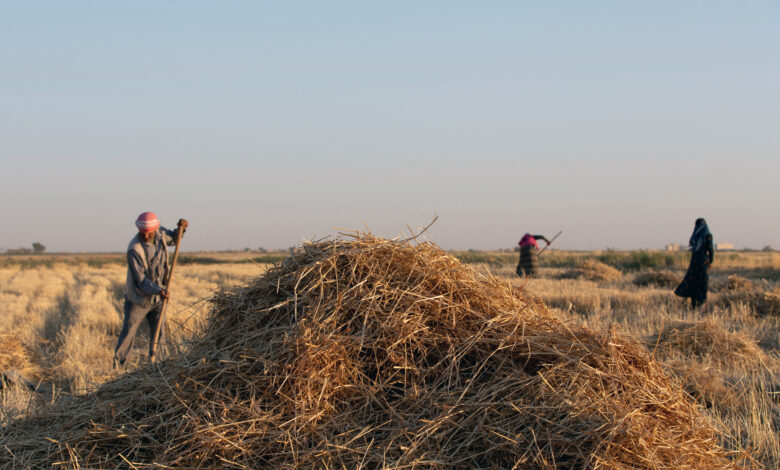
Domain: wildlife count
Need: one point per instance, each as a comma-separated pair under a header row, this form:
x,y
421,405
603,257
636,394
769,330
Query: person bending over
x,y
529,255
147,267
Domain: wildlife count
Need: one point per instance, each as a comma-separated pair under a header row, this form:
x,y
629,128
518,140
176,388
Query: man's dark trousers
x,y
134,315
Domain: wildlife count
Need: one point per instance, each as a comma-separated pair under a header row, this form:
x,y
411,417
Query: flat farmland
x,y
60,316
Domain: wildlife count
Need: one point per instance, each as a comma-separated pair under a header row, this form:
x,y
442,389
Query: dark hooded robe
x,y
694,284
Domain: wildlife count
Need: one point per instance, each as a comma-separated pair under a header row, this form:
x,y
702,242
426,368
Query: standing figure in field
x,y
694,285
147,266
529,255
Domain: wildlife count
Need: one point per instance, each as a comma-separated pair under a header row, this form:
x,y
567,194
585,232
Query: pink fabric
x,y
528,240
147,222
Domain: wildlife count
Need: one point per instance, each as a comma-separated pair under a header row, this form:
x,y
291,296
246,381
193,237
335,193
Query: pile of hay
x,y
706,340
763,303
738,290
658,279
736,282
376,353
16,362
706,385
592,270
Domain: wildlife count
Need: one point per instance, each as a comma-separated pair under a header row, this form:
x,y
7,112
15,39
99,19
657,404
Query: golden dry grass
x,y
592,270
68,317
658,279
706,383
381,353
765,303
736,282
14,356
738,397
707,339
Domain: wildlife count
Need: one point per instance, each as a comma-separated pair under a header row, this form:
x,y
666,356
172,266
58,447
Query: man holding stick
x,y
529,254
146,289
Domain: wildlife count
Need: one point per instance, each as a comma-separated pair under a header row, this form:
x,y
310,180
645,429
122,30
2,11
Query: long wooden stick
x,y
553,239
161,321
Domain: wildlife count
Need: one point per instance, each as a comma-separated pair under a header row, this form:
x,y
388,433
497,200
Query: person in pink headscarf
x,y
147,266
529,255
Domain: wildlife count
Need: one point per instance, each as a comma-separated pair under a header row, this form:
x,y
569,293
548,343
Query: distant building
x,y
673,247
724,246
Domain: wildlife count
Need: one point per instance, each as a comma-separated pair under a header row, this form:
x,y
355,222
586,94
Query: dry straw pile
x,y
736,282
16,360
738,290
706,340
711,361
706,384
375,353
658,279
592,270
763,303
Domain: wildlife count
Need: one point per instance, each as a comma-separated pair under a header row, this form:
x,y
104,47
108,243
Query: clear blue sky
x,y
268,122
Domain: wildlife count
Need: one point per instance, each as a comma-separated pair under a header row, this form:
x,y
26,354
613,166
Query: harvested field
x,y
658,279
592,270
763,303
740,398
706,339
376,353
14,356
706,384
736,282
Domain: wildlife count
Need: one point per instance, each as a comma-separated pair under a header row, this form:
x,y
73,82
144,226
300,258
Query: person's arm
x,y
541,237
710,250
144,284
169,236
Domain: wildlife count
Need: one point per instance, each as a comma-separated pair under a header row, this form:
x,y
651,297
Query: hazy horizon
x,y
266,124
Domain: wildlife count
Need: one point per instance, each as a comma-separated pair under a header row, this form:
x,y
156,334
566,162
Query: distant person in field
x,y
147,266
529,255
696,280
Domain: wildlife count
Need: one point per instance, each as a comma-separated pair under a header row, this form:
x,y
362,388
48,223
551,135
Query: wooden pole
x,y
553,239
161,321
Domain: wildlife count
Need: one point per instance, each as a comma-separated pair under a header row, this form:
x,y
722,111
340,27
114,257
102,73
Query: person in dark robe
x,y
694,284
529,255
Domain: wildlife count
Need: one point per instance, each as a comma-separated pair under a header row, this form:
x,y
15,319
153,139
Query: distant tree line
x,y
37,247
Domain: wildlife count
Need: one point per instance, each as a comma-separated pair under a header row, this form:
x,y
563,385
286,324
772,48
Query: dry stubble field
x,y
59,322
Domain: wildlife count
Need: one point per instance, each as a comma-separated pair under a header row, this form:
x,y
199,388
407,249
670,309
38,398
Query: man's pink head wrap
x,y
528,240
147,222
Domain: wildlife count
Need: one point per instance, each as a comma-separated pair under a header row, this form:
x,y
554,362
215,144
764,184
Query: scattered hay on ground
x,y
734,283
658,279
705,384
375,353
15,358
763,303
592,270
769,303
707,340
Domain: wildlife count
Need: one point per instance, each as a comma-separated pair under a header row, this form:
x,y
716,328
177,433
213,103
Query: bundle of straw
x,y
15,357
369,353
736,282
707,340
658,279
762,303
707,384
592,270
